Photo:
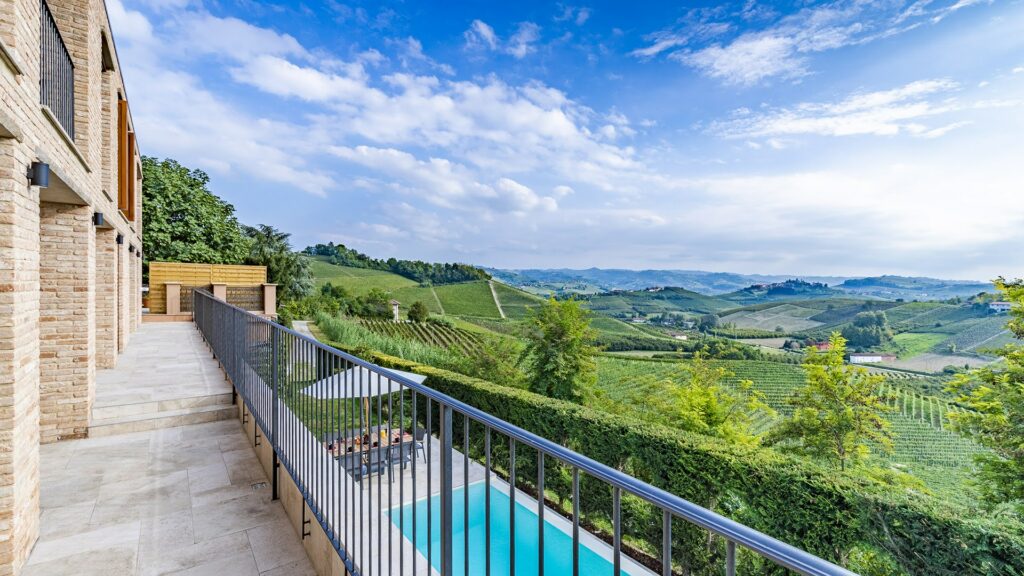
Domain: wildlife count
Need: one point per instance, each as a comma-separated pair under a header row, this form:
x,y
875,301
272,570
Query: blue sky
x,y
846,138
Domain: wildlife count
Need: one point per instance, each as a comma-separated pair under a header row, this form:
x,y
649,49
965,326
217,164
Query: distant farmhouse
x,y
999,307
870,358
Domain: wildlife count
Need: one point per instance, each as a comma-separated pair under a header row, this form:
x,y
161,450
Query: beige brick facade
x,y
69,292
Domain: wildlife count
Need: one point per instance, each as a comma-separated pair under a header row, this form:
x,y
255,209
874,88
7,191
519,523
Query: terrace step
x,y
162,419
108,411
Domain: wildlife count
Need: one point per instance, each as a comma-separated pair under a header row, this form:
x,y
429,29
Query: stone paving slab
x,y
190,499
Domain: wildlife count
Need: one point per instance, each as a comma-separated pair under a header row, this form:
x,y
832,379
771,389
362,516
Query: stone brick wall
x,y
68,293
106,298
67,320
19,359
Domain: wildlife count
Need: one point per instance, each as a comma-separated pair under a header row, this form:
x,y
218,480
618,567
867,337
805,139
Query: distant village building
x,y
638,320
822,346
394,311
681,337
999,307
870,358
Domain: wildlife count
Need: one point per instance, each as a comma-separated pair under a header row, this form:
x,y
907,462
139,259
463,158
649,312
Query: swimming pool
x,y
557,544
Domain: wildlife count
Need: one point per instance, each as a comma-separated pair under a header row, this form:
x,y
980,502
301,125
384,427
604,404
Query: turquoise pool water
x,y
557,544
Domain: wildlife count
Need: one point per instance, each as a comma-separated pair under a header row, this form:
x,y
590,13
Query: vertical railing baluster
x,y
540,513
666,543
273,420
465,493
487,501
512,506
447,567
616,531
575,521
730,558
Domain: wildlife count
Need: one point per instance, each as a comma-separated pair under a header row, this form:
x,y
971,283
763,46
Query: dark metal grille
x,y
246,297
185,299
56,71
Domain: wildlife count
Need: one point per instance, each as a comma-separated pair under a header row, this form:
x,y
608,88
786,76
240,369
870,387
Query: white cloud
x,y
412,53
176,115
232,38
445,183
880,113
521,43
660,42
480,34
748,60
579,15
781,49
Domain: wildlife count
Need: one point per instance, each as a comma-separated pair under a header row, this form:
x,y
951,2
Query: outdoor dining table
x,y
357,444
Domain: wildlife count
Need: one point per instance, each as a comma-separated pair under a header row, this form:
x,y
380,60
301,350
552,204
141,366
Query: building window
x,y
56,72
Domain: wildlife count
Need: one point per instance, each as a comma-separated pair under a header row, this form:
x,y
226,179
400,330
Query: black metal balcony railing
x,y
56,71
346,431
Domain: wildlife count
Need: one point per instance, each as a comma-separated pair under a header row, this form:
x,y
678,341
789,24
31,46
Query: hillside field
x,y
924,446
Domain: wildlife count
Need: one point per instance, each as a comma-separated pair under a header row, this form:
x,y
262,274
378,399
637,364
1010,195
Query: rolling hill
x,y
474,303
596,280
630,303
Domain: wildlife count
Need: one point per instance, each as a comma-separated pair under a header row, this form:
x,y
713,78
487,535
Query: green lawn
x,y
468,299
911,344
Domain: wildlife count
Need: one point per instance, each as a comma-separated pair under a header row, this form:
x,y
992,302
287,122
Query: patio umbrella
x,y
359,382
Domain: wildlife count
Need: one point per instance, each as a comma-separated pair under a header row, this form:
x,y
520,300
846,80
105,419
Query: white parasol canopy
x,y
358,382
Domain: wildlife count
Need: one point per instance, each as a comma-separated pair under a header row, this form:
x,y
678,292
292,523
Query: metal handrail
x,y
673,506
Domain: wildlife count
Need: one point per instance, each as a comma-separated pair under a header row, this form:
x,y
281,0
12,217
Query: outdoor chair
x,y
376,462
421,442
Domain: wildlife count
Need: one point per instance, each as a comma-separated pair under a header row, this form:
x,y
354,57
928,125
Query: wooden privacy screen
x,y
160,273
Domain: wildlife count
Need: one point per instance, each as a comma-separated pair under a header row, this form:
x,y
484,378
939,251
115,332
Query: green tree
x,y
289,270
707,322
495,359
868,329
184,221
697,399
559,353
418,312
838,412
373,304
996,418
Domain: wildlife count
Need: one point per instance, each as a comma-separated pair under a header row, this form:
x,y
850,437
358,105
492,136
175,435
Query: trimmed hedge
x,y
828,513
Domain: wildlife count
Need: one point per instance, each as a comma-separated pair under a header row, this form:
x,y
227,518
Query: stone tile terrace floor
x,y
166,501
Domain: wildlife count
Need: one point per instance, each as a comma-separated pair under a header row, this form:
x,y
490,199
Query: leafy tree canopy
x,y
418,312
698,398
838,413
184,221
423,272
868,329
289,270
560,353
996,419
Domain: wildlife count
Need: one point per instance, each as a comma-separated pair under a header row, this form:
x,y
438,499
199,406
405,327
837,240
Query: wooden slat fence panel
x,y
191,275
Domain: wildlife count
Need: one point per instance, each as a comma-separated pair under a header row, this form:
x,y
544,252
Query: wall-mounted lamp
x,y
138,253
39,174
97,219
131,249
120,238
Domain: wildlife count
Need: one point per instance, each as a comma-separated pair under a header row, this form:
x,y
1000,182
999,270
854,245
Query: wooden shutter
x,y
131,177
123,158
